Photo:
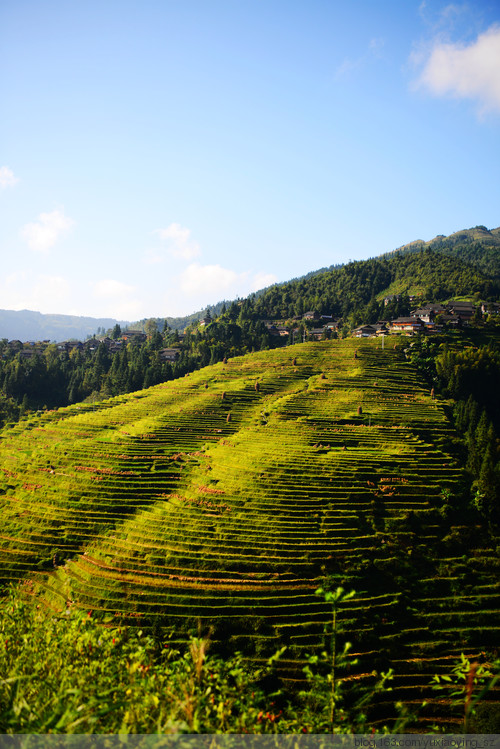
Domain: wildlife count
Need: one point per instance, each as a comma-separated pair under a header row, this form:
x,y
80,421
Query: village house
x,y
277,330
381,327
134,336
169,354
453,321
490,308
373,329
407,325
311,315
391,298
428,312
115,346
316,334
70,345
463,310
364,331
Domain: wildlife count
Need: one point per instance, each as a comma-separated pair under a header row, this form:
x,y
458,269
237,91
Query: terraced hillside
x,y
220,502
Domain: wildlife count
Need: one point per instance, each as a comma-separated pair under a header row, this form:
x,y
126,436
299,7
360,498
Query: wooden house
x,y
407,325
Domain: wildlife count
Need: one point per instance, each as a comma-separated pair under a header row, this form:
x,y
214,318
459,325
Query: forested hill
x,y
478,246
461,265
486,237
465,264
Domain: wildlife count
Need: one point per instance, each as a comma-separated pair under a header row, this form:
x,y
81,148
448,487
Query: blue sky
x,y
159,156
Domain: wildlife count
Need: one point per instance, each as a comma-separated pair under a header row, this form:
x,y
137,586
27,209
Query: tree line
x,y
469,375
55,378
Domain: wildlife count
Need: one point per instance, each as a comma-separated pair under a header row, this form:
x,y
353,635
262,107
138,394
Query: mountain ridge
x,y
28,325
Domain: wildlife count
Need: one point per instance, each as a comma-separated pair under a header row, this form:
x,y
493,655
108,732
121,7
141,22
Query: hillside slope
x,y
221,501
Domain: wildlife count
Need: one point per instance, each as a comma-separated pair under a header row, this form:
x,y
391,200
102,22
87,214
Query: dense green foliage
x,y
71,674
478,247
352,290
469,373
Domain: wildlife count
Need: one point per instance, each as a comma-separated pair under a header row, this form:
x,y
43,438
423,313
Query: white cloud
x,y
447,17
211,281
7,178
41,235
152,257
208,278
110,288
179,242
43,293
262,280
121,302
465,71
51,291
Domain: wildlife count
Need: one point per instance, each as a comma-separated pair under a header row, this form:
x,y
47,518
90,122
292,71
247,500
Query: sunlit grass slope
x,y
219,502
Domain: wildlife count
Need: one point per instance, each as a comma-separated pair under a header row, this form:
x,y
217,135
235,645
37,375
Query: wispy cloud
x,y
374,51
110,288
178,242
44,293
42,234
7,177
262,280
464,71
445,18
51,291
153,257
210,280
120,299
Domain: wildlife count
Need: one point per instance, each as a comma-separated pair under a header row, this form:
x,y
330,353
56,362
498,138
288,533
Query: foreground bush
x,y
74,674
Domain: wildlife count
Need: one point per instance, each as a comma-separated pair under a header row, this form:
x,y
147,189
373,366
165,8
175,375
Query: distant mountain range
x,y
27,325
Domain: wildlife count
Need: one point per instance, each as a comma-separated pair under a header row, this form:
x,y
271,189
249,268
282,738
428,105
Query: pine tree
x,y
488,485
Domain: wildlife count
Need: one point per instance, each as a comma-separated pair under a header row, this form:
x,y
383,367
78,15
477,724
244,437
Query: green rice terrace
x,y
218,504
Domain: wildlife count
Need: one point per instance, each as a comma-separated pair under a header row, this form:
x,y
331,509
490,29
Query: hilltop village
x,y
44,374
428,318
